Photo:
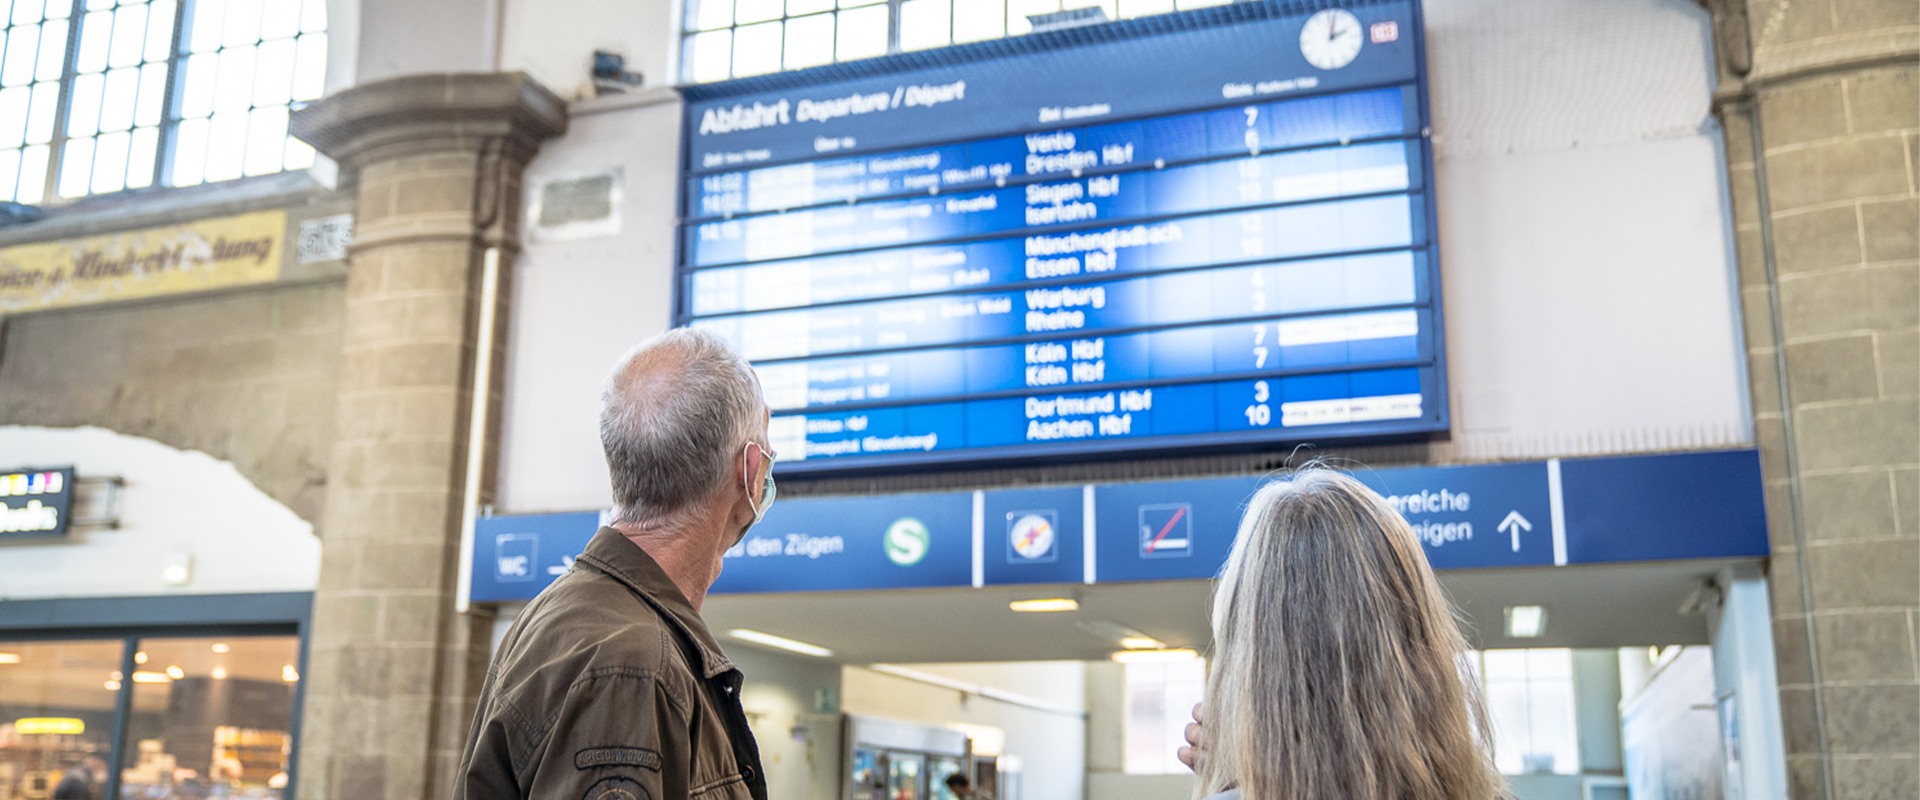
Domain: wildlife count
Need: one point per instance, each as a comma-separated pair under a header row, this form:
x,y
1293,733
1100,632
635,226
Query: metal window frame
x,y
687,32
170,118
685,11
132,619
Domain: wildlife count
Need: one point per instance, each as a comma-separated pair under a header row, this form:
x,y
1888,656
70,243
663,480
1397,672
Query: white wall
x,y
554,40
1586,265
174,502
1585,243
1107,778
799,746
579,305
1050,746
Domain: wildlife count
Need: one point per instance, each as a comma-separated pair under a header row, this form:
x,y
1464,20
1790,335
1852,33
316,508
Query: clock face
x,y
1331,39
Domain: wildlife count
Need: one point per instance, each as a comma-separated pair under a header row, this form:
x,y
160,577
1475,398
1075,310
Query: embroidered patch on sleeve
x,y
616,757
617,789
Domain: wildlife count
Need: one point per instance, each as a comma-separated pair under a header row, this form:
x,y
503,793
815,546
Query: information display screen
x,y
1206,230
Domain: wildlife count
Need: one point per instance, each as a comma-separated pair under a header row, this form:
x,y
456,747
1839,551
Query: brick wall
x,y
246,377
1826,202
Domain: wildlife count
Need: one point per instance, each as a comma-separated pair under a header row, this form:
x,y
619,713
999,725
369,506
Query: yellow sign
x,y
66,725
200,255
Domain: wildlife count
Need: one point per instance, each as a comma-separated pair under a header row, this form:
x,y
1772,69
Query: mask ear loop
x,y
746,476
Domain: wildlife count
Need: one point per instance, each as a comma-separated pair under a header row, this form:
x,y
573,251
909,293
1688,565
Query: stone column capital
x,y
432,113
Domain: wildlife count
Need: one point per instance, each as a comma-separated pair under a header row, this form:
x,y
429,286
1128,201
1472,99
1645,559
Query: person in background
x,y
609,686
85,781
1338,666
962,788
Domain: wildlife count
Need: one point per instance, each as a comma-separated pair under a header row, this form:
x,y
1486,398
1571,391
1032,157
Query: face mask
x,y
767,491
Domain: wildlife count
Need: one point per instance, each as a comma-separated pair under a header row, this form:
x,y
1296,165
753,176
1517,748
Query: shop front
x,y
158,698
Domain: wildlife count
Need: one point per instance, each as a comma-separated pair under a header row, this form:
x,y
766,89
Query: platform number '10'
x,y
1260,414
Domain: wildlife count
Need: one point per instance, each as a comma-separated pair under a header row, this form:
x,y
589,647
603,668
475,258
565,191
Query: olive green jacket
x,y
609,687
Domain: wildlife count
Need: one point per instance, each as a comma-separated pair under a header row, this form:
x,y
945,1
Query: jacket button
x,y
747,773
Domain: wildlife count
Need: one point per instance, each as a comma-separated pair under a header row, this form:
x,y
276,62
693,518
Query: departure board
x,y
1202,231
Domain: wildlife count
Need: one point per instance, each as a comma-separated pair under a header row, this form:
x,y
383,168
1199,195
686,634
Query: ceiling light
x,y
289,674
175,672
1141,643
111,686
1049,604
151,677
781,642
1526,622
140,657
221,647
219,673
1155,656
9,658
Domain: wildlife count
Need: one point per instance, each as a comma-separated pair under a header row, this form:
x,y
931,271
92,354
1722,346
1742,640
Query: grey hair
x,y
1336,658
673,415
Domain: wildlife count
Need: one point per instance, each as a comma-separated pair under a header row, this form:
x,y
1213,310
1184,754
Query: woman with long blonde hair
x,y
1337,671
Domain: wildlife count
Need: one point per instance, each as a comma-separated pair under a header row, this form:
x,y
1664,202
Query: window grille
x,y
738,38
99,96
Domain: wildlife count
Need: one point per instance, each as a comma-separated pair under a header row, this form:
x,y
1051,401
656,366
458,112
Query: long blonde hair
x,y
1337,671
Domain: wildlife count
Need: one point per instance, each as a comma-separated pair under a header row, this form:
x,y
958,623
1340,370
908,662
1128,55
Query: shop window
x,y
146,92
1160,700
203,717
57,703
740,38
211,717
1529,697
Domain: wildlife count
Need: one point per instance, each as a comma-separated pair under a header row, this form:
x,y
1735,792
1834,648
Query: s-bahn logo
x,y
906,541
1032,536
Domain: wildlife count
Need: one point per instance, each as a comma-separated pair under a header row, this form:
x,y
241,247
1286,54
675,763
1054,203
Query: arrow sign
x,y
1514,524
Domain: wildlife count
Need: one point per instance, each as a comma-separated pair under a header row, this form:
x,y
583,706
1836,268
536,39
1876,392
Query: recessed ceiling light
x,y
9,658
151,677
289,674
174,672
1141,643
1155,656
219,673
1526,622
1045,605
140,657
221,647
781,642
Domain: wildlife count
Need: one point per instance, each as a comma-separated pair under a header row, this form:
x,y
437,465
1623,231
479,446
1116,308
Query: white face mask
x,y
767,491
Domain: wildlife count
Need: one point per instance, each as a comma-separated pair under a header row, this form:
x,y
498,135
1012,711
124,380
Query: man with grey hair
x,y
609,685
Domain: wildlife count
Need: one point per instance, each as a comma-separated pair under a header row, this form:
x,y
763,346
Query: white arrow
x,y
1514,524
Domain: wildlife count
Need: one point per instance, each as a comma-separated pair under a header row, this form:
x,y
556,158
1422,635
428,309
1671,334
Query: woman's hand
x,y
1196,740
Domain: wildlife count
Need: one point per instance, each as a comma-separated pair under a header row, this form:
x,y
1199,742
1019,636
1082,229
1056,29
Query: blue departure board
x,y
1205,230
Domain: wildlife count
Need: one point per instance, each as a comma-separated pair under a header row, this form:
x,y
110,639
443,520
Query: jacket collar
x,y
613,553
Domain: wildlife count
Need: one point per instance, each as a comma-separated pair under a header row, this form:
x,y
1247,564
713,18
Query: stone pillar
x,y
393,670
1818,100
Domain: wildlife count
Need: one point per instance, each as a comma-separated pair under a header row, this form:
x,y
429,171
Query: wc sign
x,y
514,555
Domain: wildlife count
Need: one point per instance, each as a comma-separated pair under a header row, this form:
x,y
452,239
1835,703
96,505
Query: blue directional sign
x,y
1131,518
514,557
838,543
1528,514
1664,507
1033,536
1053,246
1474,516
